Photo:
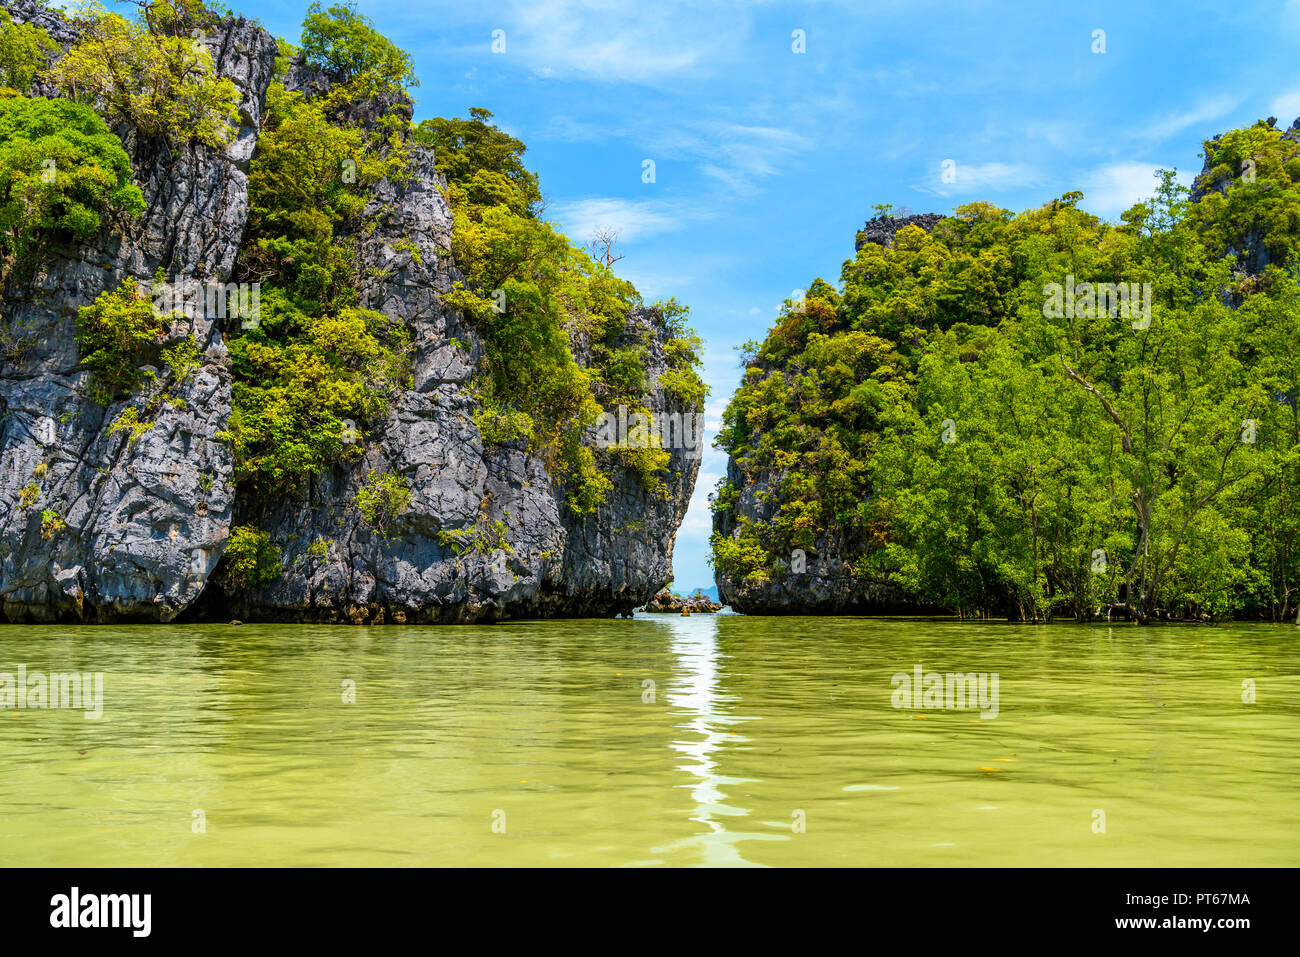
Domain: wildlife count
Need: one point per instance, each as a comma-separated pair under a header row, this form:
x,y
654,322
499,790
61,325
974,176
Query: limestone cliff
x,y
817,581
148,518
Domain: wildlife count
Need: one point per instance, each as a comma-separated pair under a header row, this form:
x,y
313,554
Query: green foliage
x,y
51,524
285,52
24,51
29,495
940,424
151,73
60,171
532,295
485,162
251,561
382,497
183,358
307,190
345,44
117,334
303,384
482,537
129,422
499,424
316,368
742,559
682,351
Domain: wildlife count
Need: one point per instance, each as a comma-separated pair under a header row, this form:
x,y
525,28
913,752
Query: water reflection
x,y
704,734
754,719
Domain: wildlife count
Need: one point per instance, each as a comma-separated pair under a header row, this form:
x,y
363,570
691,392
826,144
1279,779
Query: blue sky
x,y
767,161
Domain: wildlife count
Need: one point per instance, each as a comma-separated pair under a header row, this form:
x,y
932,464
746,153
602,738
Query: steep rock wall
x,y
147,521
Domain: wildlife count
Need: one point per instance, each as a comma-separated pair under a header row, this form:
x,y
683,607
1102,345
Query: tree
x,y
118,333
345,44
138,72
1138,456
61,171
24,50
483,160
601,246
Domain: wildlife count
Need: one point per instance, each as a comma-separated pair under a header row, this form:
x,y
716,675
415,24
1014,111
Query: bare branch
x,y
601,246
1110,409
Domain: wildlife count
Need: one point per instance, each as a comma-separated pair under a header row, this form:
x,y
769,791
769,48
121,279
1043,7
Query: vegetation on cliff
x,y
976,416
315,373
61,171
533,295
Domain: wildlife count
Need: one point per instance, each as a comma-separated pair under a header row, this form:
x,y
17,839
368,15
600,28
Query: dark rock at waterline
x,y
666,601
812,582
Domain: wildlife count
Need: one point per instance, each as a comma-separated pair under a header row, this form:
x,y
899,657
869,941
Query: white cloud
x,y
1179,120
980,178
621,40
1286,108
698,523
738,155
1110,190
631,219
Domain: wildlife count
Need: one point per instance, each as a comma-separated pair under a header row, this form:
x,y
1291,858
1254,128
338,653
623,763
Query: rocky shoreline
x,y
666,602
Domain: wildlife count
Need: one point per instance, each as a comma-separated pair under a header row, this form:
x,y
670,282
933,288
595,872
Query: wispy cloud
x,y
1175,122
1110,190
738,155
631,219
1286,107
979,178
621,40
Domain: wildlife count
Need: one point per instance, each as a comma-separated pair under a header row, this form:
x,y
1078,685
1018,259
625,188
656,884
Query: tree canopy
x,y
949,420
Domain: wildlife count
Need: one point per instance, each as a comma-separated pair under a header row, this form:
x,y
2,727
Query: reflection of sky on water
x,y
704,730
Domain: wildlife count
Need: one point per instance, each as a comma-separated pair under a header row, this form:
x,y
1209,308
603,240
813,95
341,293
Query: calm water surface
x,y
754,725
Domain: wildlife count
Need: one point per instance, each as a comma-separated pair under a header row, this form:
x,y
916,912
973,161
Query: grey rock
x,y
147,519
552,563
882,229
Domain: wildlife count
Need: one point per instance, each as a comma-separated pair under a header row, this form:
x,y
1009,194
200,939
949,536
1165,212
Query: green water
x,y
542,728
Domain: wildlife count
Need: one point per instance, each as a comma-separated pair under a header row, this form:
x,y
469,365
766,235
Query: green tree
x,y
142,73
345,44
24,51
61,170
118,333
1026,458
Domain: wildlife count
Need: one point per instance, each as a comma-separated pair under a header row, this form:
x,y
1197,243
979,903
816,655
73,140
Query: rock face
x,y
666,601
881,229
147,521
816,582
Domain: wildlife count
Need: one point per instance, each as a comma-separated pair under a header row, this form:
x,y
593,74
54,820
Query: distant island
x,y
1037,416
